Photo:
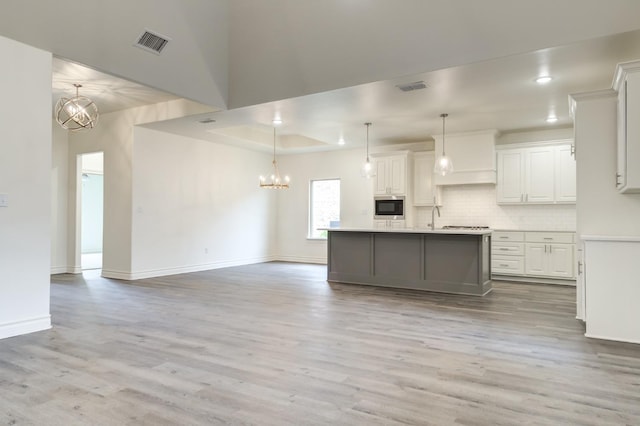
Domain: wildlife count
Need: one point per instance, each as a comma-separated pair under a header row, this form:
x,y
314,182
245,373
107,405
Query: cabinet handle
x,y
573,151
504,249
504,238
545,248
579,268
618,176
548,238
550,249
503,265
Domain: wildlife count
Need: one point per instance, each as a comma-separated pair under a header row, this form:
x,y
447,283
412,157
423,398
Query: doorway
x,y
92,208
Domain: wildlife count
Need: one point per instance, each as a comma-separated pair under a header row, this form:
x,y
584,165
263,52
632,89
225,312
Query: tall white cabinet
x,y
536,174
627,84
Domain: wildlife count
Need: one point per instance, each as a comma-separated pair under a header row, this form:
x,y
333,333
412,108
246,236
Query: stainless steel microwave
x,y
389,207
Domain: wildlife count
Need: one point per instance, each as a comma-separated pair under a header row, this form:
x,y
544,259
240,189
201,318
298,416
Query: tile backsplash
x,y
476,205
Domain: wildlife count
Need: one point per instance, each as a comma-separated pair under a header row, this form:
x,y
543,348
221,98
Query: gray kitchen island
x,y
448,261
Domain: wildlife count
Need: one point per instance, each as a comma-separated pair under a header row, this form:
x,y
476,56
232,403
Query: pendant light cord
x,y
443,117
367,124
274,145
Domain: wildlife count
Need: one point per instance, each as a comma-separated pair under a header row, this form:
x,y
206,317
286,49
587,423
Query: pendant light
x,y
274,181
367,168
443,165
77,113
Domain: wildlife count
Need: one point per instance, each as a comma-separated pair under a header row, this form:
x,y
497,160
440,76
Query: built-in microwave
x,y
389,207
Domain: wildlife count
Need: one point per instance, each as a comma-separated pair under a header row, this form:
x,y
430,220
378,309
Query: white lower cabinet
x,y
548,255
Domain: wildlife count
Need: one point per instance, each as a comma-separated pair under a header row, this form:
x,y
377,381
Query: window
x,y
324,206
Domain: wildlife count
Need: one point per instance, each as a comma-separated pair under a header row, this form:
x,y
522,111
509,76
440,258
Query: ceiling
x,y
497,94
327,68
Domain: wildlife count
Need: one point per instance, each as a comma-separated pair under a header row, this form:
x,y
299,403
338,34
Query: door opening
x,y
91,214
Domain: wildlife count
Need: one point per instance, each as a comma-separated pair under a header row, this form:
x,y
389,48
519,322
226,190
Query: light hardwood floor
x,y
275,344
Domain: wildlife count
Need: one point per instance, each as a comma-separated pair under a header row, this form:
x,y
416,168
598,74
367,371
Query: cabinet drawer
x,y
549,237
498,236
507,265
500,248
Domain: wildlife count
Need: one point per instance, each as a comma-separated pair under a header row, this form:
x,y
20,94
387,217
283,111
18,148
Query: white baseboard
x,y
26,326
615,339
161,272
303,259
58,270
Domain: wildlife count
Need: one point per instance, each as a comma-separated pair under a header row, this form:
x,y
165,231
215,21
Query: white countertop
x,y
534,230
414,230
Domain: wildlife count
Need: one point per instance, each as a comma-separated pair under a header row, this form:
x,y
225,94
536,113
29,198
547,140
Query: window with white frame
x,y
324,206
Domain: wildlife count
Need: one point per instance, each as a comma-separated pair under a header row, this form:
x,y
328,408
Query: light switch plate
x,y
4,200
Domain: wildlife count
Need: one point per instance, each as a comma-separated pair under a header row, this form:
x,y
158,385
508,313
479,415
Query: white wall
x,y
356,200
601,209
114,136
476,205
25,175
197,206
59,199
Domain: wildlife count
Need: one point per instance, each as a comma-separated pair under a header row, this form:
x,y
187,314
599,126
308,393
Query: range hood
x,y
473,155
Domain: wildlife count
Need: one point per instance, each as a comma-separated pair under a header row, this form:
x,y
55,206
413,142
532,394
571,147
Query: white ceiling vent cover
x,y
152,42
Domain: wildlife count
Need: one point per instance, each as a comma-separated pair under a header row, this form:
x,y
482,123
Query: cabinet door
x,y
560,260
423,190
565,176
380,165
539,175
536,259
396,174
510,187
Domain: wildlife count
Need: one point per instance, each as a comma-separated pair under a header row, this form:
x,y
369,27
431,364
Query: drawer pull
x,y
548,238
504,249
504,238
503,265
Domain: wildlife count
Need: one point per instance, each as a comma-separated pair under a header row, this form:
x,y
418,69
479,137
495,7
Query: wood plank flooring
x,y
275,344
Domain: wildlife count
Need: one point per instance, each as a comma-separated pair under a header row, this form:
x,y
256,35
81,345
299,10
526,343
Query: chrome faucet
x,y
435,208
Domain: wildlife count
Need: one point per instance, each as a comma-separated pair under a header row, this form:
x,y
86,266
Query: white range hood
x,y
473,155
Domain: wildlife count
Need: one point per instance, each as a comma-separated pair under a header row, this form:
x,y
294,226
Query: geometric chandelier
x,y
78,113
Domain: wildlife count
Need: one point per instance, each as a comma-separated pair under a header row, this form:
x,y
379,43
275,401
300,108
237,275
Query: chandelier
x,y
77,113
274,181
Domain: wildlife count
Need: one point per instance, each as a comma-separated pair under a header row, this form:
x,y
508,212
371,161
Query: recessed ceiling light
x,y
341,141
543,79
552,119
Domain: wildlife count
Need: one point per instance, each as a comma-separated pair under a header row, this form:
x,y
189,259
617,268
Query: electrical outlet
x,y
206,251
4,200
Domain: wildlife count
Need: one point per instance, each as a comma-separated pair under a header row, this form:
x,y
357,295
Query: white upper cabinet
x,y
565,174
627,84
510,183
544,174
424,190
539,175
391,174
473,155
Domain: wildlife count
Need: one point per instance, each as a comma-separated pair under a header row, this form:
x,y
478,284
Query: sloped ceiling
x,y
101,34
286,48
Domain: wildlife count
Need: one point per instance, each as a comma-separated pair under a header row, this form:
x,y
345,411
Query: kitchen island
x,y
448,261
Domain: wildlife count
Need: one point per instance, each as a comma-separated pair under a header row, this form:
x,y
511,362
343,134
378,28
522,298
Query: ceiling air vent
x,y
152,42
409,87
